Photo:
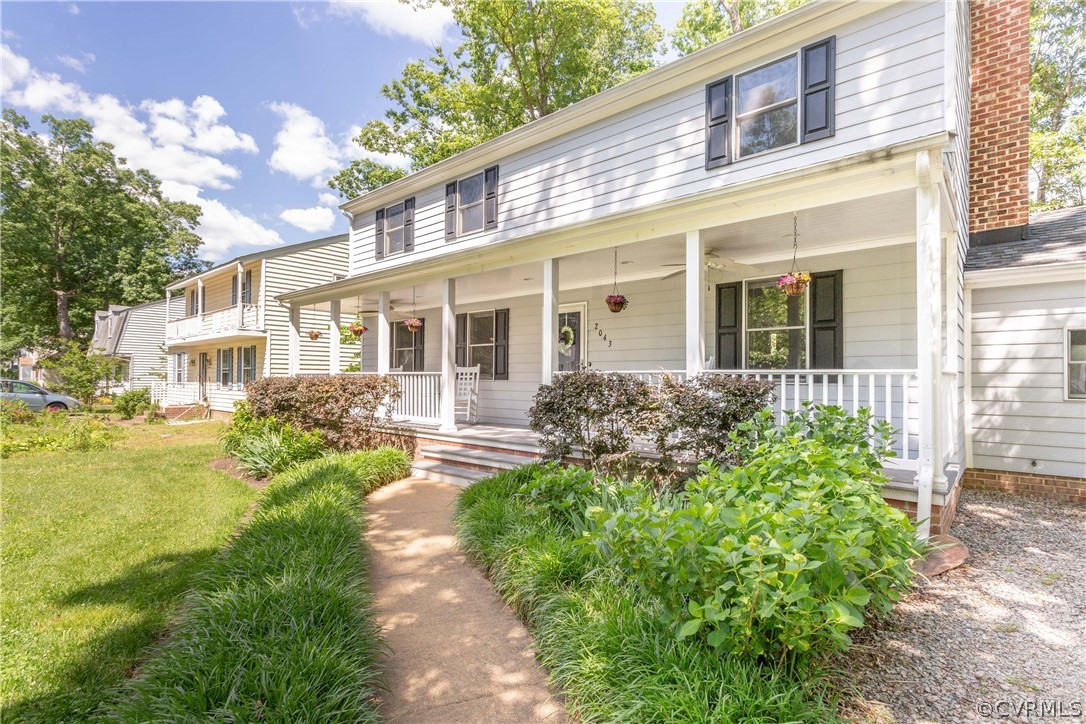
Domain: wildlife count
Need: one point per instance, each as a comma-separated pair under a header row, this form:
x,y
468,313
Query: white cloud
x,y
318,218
8,34
177,143
73,9
330,200
76,64
432,25
303,147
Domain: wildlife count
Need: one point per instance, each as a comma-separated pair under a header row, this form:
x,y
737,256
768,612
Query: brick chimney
x,y
999,121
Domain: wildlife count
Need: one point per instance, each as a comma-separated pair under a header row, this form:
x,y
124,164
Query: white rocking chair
x,y
467,393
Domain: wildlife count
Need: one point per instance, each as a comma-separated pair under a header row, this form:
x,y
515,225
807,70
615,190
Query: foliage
x,y
1057,115
81,231
778,558
519,60
345,409
79,373
594,413
704,22
59,431
602,641
99,550
271,451
15,412
280,627
694,419
132,402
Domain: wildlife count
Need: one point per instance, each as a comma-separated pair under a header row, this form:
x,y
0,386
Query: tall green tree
x,y
80,231
1057,117
519,60
704,22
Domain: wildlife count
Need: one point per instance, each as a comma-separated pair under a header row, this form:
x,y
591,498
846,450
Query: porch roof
x,y
1056,237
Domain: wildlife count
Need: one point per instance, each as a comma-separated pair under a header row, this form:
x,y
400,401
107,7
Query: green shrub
x,y
342,408
131,403
15,412
602,640
271,451
779,557
280,627
243,425
61,432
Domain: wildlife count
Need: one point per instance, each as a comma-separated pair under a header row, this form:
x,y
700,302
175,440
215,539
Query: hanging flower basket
x,y
794,284
357,329
566,338
314,334
413,325
617,302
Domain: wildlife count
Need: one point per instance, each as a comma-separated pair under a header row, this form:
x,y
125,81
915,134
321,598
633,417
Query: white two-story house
x,y
229,329
133,336
832,140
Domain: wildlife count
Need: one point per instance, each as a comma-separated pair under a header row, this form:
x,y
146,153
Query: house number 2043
x,y
601,334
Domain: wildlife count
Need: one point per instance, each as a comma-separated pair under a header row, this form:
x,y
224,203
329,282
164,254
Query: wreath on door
x,y
566,338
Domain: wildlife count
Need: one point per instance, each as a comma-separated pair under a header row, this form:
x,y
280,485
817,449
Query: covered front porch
x,y
877,329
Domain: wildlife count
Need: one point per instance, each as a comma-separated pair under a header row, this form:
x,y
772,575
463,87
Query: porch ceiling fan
x,y
714,262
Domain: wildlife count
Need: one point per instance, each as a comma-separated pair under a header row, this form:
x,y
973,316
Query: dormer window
x,y
471,204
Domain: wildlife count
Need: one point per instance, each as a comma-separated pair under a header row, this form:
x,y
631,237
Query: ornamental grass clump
x,y
780,557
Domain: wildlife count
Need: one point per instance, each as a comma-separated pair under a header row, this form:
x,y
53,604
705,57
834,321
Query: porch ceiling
x,y
751,248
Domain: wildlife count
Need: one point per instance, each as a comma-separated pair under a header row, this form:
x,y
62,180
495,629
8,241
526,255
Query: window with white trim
x,y
394,218
407,348
767,107
1076,364
226,368
481,343
179,367
469,204
248,364
776,327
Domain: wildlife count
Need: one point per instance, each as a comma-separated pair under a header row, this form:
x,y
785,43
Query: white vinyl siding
x,y
1020,414
141,342
889,89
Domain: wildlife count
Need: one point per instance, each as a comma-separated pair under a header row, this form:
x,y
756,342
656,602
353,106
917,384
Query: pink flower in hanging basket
x,y
617,302
314,334
357,329
413,325
794,284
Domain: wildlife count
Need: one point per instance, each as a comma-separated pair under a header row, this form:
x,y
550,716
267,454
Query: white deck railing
x,y
420,397
891,395
167,394
219,321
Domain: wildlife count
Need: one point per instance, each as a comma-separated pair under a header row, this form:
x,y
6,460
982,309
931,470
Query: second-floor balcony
x,y
229,321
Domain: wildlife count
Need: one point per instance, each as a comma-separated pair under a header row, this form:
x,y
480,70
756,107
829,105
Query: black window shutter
x,y
819,60
490,198
728,326
461,340
501,344
827,320
218,368
418,353
234,289
409,224
718,101
450,210
379,235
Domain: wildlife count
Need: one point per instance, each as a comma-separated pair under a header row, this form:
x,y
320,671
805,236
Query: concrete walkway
x,y
457,653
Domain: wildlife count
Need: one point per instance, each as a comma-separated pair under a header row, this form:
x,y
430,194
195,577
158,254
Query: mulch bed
x,y
231,467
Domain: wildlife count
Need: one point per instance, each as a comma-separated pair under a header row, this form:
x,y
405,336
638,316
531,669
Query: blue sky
x,y
245,108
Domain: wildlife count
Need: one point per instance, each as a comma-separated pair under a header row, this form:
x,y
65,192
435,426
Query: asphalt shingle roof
x,y
1056,237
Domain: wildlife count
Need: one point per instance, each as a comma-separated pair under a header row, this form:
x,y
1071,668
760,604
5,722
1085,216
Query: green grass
x,y
99,550
280,627
605,647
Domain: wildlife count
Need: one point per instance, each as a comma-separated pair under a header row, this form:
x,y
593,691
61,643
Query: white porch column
x,y
241,305
929,342
295,340
550,320
448,356
334,339
695,307
200,298
384,332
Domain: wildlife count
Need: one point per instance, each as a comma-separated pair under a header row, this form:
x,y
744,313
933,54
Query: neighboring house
x,y
838,133
226,328
134,336
1026,426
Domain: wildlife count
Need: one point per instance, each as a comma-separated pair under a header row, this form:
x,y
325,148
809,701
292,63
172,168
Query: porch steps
x,y
462,466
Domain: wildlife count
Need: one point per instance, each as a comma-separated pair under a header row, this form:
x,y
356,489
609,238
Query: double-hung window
x,y
784,102
246,288
471,204
776,327
248,363
1076,364
407,348
395,229
194,301
178,367
482,340
226,368
481,343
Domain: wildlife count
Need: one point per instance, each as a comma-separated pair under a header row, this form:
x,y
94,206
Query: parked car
x,y
36,398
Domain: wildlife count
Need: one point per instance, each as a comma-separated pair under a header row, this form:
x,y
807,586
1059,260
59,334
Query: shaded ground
x,y
1008,626
456,652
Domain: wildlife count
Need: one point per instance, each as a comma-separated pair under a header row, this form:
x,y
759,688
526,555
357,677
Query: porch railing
x,y
168,394
218,321
420,397
891,395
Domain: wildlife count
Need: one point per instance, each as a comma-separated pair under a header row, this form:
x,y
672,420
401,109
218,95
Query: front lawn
x,y
99,548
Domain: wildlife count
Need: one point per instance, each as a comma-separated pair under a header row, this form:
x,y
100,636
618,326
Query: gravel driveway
x,y
1008,626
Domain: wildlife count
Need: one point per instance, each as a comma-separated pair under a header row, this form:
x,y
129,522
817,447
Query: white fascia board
x,y
716,61
1014,276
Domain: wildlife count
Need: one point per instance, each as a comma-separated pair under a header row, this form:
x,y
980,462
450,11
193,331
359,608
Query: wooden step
x,y
473,458
452,474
